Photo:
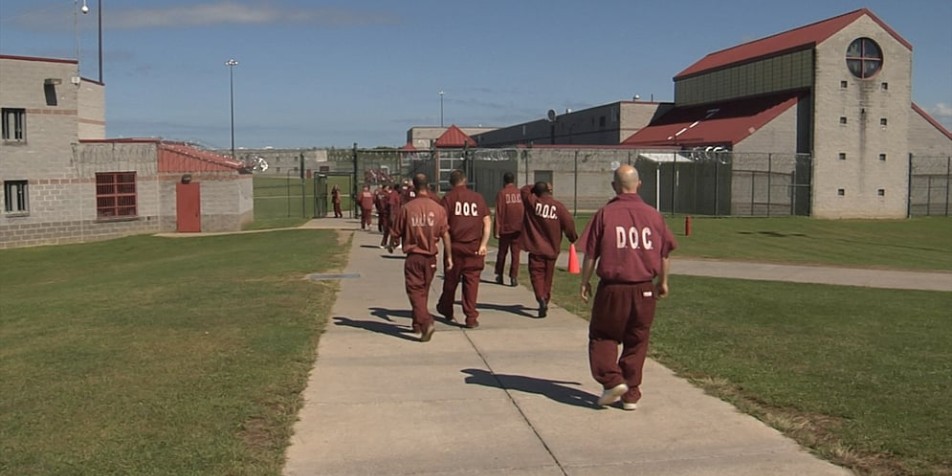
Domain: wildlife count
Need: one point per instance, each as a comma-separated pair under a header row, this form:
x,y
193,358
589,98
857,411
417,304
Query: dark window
x,y
844,84
883,121
881,192
841,191
13,124
15,199
116,194
842,119
842,155
885,86
864,58
882,157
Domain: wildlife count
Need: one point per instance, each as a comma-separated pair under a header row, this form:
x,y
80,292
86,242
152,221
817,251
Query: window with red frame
x,y
116,194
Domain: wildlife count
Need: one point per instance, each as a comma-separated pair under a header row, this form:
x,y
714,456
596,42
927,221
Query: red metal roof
x,y
454,137
925,115
40,59
408,147
181,158
798,38
725,123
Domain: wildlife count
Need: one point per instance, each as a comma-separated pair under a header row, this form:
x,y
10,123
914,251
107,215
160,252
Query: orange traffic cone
x,y
573,260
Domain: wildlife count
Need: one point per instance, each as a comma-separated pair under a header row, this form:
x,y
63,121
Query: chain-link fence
x,y
930,180
702,182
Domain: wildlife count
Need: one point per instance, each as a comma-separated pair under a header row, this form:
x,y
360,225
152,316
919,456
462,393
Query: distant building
x,y
63,181
423,137
839,90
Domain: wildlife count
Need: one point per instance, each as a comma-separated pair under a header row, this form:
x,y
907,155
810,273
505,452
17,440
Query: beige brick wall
x,y
779,136
92,110
925,140
862,139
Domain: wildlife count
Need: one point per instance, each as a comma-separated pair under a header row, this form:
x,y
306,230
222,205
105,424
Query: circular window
x,y
864,58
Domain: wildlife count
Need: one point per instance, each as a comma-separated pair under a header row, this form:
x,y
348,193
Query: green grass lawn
x,y
284,202
861,376
917,243
148,355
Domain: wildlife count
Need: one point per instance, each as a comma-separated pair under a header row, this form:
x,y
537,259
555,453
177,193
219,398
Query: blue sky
x,y
322,73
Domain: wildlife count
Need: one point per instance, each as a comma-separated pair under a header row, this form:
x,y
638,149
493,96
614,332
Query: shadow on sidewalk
x,y
552,389
389,314
517,309
378,327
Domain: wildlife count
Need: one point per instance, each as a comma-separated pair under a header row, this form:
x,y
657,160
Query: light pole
x,y
441,108
231,87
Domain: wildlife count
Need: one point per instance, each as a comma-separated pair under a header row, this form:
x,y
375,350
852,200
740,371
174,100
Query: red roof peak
x,y
800,37
925,115
454,137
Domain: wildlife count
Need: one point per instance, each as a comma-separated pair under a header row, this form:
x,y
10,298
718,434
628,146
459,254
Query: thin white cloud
x,y
226,13
941,111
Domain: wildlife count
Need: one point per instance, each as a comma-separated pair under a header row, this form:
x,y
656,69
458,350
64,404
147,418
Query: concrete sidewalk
x,y
512,397
835,275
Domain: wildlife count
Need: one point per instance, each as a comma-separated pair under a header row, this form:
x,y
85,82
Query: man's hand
x,y
585,291
496,235
449,263
662,290
481,251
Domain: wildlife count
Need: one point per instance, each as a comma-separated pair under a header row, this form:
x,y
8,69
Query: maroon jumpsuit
x,y
629,239
465,211
509,215
335,199
366,200
420,224
545,220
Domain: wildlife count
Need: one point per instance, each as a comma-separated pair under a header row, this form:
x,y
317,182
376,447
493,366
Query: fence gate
x,y
323,183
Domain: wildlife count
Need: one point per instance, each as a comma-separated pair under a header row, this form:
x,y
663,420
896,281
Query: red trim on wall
x,y
37,58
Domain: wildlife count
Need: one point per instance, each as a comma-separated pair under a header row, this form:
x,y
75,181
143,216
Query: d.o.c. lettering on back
x,y
466,209
546,211
632,237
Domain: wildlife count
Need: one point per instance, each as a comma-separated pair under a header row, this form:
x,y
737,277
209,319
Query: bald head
x,y
626,179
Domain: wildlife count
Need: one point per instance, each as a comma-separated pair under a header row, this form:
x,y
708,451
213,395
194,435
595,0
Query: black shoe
x,y
513,282
446,313
498,279
543,309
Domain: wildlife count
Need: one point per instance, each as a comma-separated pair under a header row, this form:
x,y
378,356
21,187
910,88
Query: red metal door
x,y
188,207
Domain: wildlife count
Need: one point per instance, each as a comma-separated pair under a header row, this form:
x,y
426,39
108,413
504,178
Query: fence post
x,y
948,175
909,188
717,191
674,186
303,189
769,175
353,192
575,199
793,192
287,189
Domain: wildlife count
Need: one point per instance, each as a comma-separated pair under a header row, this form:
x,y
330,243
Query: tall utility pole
x,y
441,108
231,85
99,12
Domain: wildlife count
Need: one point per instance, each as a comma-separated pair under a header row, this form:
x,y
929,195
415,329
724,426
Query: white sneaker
x,y
629,406
612,395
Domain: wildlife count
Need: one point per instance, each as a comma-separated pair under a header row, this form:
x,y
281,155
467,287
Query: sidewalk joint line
x,y
515,404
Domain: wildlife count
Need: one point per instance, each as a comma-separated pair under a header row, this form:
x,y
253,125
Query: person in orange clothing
x,y
420,224
366,201
508,230
470,226
545,220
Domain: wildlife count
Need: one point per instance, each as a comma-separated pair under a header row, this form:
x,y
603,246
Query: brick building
x,y
839,91
63,181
